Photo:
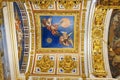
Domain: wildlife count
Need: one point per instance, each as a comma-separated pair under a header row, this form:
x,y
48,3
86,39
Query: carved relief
x,y
109,4
45,63
67,64
97,37
97,45
71,4
44,4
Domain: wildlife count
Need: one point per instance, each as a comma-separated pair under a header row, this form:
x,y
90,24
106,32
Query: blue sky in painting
x,y
45,33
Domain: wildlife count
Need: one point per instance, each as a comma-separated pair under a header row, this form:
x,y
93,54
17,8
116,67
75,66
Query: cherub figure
x,y
51,27
65,39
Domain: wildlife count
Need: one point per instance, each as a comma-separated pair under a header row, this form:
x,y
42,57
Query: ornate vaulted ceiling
x,y
62,39
51,55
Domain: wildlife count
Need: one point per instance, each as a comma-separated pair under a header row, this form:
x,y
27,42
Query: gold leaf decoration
x,y
67,64
115,4
97,37
97,33
69,4
45,63
44,4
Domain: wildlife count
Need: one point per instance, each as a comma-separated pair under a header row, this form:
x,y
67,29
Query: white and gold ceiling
x,y
61,39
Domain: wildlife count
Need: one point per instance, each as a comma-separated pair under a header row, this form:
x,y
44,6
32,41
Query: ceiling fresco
x,y
57,31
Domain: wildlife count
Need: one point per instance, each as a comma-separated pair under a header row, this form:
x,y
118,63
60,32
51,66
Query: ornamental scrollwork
x,y
45,63
69,4
67,64
115,4
97,38
99,18
43,4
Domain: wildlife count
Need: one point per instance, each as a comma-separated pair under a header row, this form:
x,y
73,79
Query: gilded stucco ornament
x,y
99,18
108,4
45,63
67,64
69,4
97,33
43,4
97,38
97,46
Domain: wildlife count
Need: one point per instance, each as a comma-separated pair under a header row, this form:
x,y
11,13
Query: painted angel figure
x,y
51,27
18,30
65,39
19,36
